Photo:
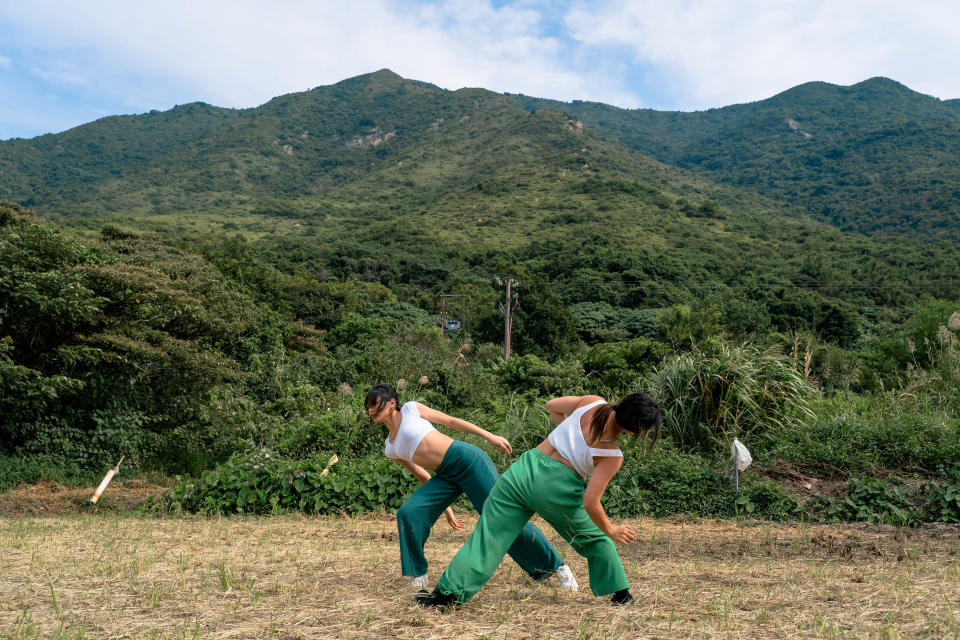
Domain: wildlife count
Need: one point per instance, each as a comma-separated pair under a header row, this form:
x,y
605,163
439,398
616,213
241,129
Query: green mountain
x,y
424,190
874,157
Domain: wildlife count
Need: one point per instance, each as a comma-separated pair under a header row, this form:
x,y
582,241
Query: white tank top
x,y
568,440
412,430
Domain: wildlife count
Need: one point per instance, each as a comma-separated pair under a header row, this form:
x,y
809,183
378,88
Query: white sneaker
x,y
422,582
566,579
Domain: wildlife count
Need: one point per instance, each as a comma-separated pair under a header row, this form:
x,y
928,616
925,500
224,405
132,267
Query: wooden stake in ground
x,y
106,480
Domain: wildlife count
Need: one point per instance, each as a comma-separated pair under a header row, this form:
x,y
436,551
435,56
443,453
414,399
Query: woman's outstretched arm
x,y
439,417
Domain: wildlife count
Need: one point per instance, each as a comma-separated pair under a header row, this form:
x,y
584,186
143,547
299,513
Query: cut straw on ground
x,y
102,575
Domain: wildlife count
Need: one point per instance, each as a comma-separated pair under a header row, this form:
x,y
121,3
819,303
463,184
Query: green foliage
x,y
616,366
865,434
262,481
127,344
666,482
684,327
870,500
944,500
866,157
17,470
112,349
719,391
528,373
523,421
602,322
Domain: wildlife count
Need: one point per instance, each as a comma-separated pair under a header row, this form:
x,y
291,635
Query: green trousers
x,y
465,469
535,483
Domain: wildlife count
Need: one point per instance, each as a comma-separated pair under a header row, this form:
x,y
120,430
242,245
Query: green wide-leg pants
x,y
465,469
535,483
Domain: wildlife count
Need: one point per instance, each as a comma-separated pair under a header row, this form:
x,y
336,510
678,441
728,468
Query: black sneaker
x,y
621,597
441,601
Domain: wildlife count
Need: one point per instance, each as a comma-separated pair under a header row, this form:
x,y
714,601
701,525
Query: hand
x,y
623,534
501,443
455,524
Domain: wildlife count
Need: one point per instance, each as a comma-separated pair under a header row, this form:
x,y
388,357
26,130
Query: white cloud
x,y
5,62
670,54
719,52
244,52
59,76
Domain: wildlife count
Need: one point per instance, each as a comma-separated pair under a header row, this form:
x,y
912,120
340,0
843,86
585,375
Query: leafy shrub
x,y
403,312
684,327
615,366
862,434
261,481
943,504
870,500
718,392
602,322
837,369
768,501
345,430
528,373
462,383
667,482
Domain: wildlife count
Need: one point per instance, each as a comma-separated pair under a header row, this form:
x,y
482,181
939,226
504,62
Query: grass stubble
x,y
108,575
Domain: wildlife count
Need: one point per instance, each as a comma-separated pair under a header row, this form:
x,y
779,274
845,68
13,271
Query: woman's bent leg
x,y
415,518
530,549
504,515
572,522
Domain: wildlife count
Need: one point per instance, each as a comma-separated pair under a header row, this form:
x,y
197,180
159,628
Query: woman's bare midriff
x,y
547,449
431,450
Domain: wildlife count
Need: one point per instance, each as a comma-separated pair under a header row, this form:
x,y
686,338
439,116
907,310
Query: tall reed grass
x,y
719,391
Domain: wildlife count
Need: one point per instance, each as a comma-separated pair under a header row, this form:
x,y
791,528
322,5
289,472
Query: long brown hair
x,y
638,413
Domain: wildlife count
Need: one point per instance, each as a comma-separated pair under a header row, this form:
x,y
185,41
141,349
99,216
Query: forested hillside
x,y
874,157
423,190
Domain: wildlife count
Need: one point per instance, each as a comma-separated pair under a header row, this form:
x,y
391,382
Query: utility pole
x,y
505,309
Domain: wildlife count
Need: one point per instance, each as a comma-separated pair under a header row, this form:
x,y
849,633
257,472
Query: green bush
x,y
602,322
717,392
528,373
616,366
868,434
667,482
868,499
261,481
943,504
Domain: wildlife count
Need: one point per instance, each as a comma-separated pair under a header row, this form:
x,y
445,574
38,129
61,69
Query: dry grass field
x,y
103,574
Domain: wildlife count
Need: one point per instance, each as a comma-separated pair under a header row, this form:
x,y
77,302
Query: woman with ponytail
x,y
549,480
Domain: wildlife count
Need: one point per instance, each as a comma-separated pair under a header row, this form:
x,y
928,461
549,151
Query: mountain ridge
x,y
372,174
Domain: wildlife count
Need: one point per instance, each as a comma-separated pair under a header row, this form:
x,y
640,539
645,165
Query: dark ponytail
x,y
638,413
599,421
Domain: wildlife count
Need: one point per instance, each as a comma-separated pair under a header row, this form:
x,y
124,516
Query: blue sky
x,y
65,62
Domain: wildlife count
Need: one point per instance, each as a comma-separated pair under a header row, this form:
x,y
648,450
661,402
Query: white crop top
x,y
569,442
412,430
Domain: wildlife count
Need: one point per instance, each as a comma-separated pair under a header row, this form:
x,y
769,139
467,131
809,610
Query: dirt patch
x,y
52,498
691,538
800,485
